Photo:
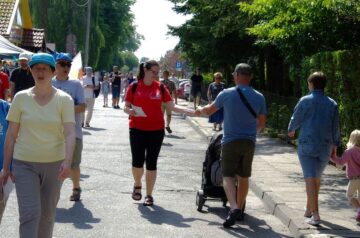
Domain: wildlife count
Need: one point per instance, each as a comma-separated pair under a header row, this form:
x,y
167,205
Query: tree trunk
x,y
44,17
274,70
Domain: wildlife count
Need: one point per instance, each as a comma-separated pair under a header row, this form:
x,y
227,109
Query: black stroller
x,y
211,182
210,191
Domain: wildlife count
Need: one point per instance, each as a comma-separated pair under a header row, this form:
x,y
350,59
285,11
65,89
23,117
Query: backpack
x,y
213,161
135,84
216,173
96,88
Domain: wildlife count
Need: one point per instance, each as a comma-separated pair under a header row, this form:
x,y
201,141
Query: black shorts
x,y
195,91
145,147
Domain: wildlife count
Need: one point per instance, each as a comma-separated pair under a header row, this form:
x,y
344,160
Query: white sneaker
x,y
312,221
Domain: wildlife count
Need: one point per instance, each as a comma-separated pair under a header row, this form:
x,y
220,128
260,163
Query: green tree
x,y
303,28
215,38
112,28
130,60
297,29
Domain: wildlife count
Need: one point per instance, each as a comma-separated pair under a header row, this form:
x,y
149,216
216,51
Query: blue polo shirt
x,y
75,90
4,109
239,123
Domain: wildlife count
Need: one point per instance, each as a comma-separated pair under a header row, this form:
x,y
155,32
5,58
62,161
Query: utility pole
x,y
87,39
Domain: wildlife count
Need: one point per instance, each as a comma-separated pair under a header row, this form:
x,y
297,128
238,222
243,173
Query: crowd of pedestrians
x,y
41,132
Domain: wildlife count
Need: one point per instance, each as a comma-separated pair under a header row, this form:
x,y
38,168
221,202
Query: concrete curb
x,y
279,209
197,127
273,202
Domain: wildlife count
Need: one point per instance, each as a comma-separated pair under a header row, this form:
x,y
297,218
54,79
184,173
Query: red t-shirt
x,y
4,84
149,98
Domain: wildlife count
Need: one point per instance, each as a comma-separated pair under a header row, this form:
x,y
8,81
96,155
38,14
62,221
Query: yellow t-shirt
x,y
41,137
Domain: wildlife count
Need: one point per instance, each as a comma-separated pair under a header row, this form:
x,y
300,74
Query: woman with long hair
x,y
146,122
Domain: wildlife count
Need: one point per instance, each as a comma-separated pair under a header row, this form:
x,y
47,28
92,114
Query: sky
x,y
151,19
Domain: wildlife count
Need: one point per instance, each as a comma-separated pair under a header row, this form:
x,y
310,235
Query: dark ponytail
x,y
147,65
141,73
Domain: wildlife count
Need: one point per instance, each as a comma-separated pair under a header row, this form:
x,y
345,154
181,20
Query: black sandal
x,y
149,201
75,196
136,195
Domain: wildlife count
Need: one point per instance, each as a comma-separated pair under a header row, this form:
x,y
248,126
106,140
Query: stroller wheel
x,y
200,200
224,201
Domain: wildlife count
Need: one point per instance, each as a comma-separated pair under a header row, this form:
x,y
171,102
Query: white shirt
x,y
89,92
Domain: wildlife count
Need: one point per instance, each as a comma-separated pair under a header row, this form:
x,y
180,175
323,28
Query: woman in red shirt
x,y
146,122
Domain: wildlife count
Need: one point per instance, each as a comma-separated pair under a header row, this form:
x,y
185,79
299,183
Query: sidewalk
x,y
277,180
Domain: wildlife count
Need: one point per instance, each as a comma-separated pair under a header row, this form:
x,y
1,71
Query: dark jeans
x,y
145,147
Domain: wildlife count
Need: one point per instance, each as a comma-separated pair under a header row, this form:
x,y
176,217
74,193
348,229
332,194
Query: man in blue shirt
x,y
241,125
75,90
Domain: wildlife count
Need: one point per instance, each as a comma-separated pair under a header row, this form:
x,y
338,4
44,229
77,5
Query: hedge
x,y
343,71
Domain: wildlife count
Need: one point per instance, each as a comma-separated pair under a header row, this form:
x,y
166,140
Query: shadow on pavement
x,y
250,227
93,129
86,133
81,217
175,137
253,227
266,146
158,215
329,228
84,176
167,144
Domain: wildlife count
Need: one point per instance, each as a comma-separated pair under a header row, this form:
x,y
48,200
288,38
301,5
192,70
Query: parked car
x,y
187,90
182,88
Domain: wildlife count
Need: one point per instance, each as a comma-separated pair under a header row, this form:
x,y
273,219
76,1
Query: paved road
x,y
277,179
107,210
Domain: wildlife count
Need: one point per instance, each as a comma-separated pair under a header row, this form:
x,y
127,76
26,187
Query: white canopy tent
x,y
75,71
8,48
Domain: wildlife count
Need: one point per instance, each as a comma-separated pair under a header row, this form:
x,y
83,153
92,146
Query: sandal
x,y
75,196
136,195
149,201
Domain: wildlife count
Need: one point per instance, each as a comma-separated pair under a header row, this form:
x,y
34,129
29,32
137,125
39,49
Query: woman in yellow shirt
x,y
40,140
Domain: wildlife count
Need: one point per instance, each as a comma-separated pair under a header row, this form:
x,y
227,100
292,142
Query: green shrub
x,y
343,71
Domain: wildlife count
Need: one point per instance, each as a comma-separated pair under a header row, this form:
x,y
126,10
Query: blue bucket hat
x,y
64,57
42,58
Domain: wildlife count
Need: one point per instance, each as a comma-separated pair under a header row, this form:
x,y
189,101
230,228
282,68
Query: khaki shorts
x,y
237,157
75,164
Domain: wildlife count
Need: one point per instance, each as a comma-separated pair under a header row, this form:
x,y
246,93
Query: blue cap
x,y
42,58
64,57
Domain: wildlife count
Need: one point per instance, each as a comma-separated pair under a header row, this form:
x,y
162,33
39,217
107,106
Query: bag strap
x,y
246,102
93,80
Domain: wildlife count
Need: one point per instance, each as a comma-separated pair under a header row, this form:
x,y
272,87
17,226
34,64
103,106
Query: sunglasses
x,y
154,72
64,64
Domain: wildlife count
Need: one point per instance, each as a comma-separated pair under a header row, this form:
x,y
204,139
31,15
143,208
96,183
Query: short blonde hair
x,y
354,139
218,74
